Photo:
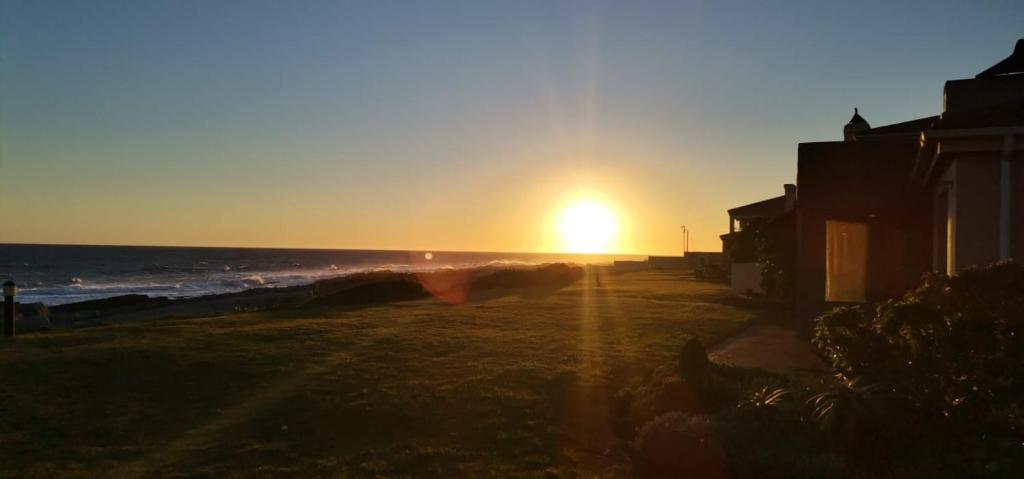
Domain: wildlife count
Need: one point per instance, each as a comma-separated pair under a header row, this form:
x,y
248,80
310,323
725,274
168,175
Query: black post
x,y
10,289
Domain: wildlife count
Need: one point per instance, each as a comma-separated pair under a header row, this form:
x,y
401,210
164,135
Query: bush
x,y
945,364
764,405
774,441
662,393
769,242
679,445
555,275
696,386
953,347
856,420
745,423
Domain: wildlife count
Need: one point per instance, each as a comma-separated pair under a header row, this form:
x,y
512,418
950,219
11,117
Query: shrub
x,y
663,393
694,387
953,347
764,403
775,442
555,275
679,445
946,363
855,418
769,242
704,378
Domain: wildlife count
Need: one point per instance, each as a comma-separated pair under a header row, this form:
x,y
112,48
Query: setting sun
x,y
587,226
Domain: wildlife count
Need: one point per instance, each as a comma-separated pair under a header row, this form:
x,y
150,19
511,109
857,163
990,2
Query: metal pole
x,y
10,290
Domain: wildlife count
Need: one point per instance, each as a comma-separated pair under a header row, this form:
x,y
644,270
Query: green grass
x,y
517,385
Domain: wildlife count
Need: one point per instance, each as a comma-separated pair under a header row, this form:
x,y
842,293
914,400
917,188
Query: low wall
x,y
695,259
667,262
630,265
746,277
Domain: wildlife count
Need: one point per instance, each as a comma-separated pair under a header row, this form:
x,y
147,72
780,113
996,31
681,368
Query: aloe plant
x,y
767,398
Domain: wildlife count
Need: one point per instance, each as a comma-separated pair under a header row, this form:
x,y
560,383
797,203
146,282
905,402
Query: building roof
x,y
905,127
764,208
1012,115
1013,64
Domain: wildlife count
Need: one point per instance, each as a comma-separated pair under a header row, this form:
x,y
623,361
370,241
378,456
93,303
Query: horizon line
x,y
417,250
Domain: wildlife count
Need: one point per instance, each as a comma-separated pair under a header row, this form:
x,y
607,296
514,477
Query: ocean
x,y
58,274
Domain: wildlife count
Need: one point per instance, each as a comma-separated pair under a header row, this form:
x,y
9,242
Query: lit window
x,y
846,261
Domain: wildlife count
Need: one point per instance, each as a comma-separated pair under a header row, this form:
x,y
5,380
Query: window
x,y
846,261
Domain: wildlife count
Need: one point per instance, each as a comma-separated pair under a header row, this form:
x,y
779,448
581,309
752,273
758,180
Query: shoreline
x,y
352,290
64,274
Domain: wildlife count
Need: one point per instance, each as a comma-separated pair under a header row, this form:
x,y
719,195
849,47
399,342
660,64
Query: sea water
x,y
58,274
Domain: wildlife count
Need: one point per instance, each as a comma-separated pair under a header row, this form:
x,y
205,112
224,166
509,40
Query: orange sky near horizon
x,y
514,210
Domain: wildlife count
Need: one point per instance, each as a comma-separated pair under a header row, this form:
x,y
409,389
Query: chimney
x,y
790,195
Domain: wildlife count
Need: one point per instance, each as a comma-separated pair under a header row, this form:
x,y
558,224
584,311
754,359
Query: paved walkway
x,y
769,347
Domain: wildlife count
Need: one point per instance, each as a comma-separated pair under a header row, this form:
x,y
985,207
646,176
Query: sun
x,y
588,226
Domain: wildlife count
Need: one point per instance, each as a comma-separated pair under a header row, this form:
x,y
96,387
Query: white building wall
x,y
746,277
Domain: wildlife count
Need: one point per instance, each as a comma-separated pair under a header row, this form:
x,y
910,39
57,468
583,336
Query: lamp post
x,y
10,290
686,239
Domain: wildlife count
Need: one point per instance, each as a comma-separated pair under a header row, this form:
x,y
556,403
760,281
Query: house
x,y
741,216
970,164
745,268
885,205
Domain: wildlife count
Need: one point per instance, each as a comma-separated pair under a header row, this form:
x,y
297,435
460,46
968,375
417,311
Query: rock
x,y
693,361
695,369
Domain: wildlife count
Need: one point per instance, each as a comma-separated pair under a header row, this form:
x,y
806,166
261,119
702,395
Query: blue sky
x,y
444,125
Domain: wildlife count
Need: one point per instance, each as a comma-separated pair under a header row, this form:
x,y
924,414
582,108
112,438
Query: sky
x,y
445,125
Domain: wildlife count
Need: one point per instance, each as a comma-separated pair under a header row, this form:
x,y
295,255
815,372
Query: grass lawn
x,y
517,385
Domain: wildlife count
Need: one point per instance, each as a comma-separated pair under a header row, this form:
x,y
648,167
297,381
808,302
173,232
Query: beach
x,y
515,379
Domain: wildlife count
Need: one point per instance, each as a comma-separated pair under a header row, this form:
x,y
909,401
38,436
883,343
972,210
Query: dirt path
x,y
769,347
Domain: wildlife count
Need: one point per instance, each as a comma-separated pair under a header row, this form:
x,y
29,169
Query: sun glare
x,y
587,226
